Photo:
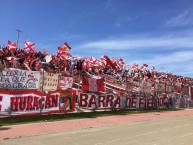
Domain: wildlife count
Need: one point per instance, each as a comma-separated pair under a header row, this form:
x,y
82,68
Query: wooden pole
x,y
18,31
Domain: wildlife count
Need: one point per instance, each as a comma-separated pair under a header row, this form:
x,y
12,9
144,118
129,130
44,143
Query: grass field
x,y
12,120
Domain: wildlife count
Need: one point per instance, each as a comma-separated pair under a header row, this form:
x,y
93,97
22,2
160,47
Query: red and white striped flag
x,y
63,51
143,67
64,48
135,66
177,88
11,46
65,55
108,61
92,84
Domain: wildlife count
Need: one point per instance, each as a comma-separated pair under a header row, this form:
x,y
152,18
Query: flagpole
x,y
42,91
78,91
18,31
105,92
42,87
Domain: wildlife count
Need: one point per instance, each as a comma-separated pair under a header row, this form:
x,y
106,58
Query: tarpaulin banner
x,y
160,87
169,88
28,102
19,79
145,87
94,101
177,88
185,90
65,82
93,84
49,80
67,100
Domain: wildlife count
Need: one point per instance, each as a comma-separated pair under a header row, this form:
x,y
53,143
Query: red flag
x,y
135,66
11,46
92,84
64,48
109,62
29,46
185,90
120,63
64,55
177,88
63,51
160,87
169,88
143,67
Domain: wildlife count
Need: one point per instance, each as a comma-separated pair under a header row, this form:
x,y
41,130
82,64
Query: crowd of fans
x,y
70,66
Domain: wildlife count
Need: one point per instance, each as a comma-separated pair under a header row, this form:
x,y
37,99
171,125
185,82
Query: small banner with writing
x,y
50,81
19,79
65,82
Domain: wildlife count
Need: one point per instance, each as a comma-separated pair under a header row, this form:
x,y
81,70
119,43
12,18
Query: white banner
x,y
65,82
50,81
19,79
145,87
94,101
28,102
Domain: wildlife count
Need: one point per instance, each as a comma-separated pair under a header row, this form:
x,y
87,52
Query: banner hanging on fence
x,y
94,101
185,90
19,79
50,81
160,87
65,82
169,88
145,87
92,84
67,100
28,102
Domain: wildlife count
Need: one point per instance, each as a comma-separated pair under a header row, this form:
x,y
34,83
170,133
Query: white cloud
x,y
136,43
176,51
183,19
180,62
174,58
122,21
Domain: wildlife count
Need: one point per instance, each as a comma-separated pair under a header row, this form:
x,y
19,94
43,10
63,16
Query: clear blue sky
x,y
156,32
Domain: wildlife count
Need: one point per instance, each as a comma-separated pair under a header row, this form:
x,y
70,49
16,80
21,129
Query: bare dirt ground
x,y
166,128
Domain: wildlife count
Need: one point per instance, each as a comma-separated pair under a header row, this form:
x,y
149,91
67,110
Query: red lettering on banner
x,y
47,103
149,103
29,102
54,100
92,101
154,103
36,103
32,102
161,101
22,103
1,98
117,102
109,100
83,100
133,102
142,103
14,103
101,100
128,102
42,103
